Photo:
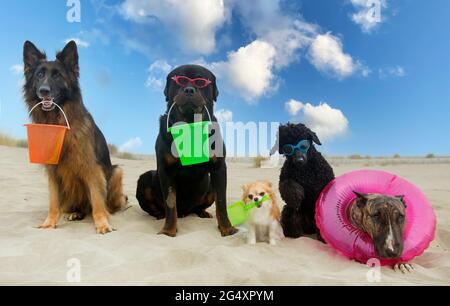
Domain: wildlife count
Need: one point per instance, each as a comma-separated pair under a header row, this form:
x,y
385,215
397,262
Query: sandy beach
x,y
135,255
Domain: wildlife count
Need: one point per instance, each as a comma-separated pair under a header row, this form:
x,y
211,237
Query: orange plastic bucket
x,y
45,141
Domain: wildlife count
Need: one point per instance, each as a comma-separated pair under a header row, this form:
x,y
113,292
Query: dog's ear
x,y
314,138
69,57
361,195
244,191
167,88
402,199
31,56
362,199
269,184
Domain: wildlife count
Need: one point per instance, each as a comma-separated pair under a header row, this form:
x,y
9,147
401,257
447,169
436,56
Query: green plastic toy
x,y
192,142
239,212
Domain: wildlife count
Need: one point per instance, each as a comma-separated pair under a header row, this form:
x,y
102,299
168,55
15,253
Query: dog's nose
x,y
391,253
44,90
256,199
189,90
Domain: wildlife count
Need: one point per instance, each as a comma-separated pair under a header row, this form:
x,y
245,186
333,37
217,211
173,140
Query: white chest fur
x,y
261,224
262,215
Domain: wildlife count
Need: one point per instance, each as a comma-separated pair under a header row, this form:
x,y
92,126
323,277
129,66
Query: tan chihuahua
x,y
264,220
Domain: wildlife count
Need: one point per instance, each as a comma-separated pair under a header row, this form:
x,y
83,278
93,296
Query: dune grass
x,y
355,156
258,160
115,152
6,140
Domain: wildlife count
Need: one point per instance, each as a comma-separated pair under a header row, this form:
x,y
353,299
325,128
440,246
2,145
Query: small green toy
x,y
239,212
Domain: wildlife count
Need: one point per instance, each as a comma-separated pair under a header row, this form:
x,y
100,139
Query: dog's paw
x,y
103,227
48,225
75,217
273,242
168,232
227,231
405,268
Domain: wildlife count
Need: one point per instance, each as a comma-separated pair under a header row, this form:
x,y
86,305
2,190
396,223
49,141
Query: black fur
x,y
195,187
301,182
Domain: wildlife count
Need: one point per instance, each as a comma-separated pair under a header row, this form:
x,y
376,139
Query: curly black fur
x,y
302,179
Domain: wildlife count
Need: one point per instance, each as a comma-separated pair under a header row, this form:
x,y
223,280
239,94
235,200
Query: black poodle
x,y
304,175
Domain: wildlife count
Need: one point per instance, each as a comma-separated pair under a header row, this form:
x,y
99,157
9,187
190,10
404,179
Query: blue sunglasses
x,y
303,146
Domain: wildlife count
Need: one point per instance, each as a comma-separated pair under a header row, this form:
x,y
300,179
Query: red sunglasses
x,y
185,81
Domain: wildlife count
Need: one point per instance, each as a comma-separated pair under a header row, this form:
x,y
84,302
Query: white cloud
x,y
94,36
326,121
252,70
224,115
327,55
396,71
158,71
194,22
293,107
368,13
80,43
16,69
365,71
280,38
286,34
249,70
160,65
131,144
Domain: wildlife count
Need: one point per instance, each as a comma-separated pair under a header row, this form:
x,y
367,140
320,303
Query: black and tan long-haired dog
x,y
174,190
84,181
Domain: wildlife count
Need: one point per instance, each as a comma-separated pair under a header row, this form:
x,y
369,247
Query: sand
x,y
135,255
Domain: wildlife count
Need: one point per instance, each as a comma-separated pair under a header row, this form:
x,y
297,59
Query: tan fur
x,y
263,221
170,159
80,183
54,209
116,197
275,212
265,186
170,226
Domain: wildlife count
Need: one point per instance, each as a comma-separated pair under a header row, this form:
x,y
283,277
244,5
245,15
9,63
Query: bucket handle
x,y
171,108
64,114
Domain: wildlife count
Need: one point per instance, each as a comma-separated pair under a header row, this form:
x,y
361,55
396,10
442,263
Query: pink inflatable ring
x,y
336,230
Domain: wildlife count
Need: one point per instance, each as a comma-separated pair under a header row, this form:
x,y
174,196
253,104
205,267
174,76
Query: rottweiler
x,y
174,190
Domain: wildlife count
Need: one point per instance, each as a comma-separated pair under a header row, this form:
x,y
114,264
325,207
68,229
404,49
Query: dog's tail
x,y
116,198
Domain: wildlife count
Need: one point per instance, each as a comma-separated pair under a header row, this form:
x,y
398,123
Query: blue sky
x,y
367,85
